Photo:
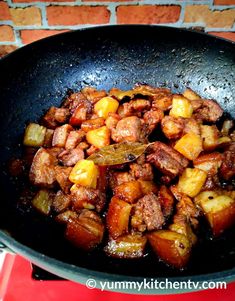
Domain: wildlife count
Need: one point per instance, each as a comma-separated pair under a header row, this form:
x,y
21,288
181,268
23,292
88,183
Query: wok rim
x,y
71,271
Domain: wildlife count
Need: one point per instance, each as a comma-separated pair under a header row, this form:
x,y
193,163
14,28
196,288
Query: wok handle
x,y
4,248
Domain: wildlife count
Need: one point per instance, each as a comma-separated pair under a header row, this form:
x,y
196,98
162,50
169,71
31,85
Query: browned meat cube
x,y
84,197
60,135
73,100
209,111
42,171
64,217
92,124
135,107
210,163
118,217
167,160
129,191
172,127
191,126
74,138
92,94
61,201
166,200
152,119
128,129
62,177
70,157
81,113
162,99
227,169
48,138
112,120
48,120
61,115
147,214
85,232
143,171
118,178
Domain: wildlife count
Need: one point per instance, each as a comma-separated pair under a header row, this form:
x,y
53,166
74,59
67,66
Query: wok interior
x,y
39,75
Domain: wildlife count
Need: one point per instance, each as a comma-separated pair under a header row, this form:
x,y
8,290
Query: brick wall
x,y
24,21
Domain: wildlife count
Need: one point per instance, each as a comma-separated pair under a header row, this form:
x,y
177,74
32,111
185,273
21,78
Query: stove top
x,y
22,281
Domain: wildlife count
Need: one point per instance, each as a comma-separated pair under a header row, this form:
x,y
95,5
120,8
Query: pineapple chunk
x,y
191,95
209,134
42,201
84,173
181,107
190,146
34,135
191,181
105,106
223,140
99,137
127,246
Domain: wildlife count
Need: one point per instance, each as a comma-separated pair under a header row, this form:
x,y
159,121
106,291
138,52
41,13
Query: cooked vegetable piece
x,y
129,191
209,134
181,107
191,181
34,135
99,137
220,212
118,217
105,106
84,173
190,146
118,153
190,94
127,246
172,247
85,233
42,201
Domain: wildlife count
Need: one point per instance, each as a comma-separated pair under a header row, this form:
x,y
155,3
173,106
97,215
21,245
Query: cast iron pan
x,y
38,76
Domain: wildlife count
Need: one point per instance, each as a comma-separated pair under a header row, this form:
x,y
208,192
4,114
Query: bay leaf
x,y
118,153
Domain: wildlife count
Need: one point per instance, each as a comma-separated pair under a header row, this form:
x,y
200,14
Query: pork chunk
x,y
71,157
42,171
167,160
147,214
209,111
128,129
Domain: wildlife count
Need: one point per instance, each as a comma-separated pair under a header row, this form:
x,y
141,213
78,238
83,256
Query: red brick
x,y
107,0
29,36
225,35
73,15
148,14
4,11
6,49
26,16
6,34
224,2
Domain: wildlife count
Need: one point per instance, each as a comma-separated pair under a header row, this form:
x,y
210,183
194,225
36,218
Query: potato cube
x,y
34,135
84,173
42,201
190,146
148,187
127,246
172,247
105,106
220,212
181,107
204,196
99,137
209,134
129,191
118,217
191,181
191,95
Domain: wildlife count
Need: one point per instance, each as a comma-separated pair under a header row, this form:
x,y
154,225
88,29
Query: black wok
x,y
39,75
